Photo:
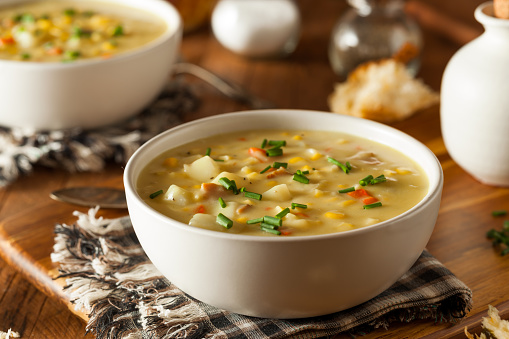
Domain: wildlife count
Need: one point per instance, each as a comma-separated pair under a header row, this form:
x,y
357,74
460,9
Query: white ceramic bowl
x,y
89,93
278,277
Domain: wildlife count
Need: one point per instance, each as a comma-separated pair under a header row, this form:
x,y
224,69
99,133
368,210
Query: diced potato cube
x,y
202,169
178,195
203,220
278,193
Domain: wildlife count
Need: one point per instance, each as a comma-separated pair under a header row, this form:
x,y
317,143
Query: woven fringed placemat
x,y
109,277
89,150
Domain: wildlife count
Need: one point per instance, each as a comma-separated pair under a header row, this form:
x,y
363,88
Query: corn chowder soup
x,y
63,31
282,183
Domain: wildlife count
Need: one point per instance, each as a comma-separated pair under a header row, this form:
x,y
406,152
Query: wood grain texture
x,y
302,81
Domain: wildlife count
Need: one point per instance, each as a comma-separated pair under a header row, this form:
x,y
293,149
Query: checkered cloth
x,y
109,276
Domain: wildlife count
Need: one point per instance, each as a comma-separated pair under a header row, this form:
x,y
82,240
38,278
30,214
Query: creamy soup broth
x,y
317,189
64,31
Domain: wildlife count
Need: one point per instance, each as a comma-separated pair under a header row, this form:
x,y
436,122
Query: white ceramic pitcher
x,y
475,102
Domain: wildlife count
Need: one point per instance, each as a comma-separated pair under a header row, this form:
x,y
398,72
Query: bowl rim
x,y
434,189
173,30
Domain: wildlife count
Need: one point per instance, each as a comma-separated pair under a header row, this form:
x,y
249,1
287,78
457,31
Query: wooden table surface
x,y
301,81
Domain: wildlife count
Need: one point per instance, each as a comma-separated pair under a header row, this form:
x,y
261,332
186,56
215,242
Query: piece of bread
x,y
493,327
383,91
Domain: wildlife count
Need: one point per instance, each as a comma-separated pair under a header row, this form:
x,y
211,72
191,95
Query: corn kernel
x,y
316,156
341,186
342,141
271,183
196,187
401,170
242,220
247,170
306,168
171,162
297,137
295,160
43,24
334,215
318,193
108,46
347,203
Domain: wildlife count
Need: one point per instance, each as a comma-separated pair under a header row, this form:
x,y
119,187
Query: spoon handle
x,y
105,197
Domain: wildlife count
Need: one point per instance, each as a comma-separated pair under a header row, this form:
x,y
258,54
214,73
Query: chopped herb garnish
x,y
284,212
280,164
277,143
71,55
229,184
373,205
155,194
252,195
118,31
69,12
224,221
366,180
272,220
300,178
221,202
339,164
348,165
27,18
347,190
269,230
274,152
295,205
264,143
499,213
379,179
265,169
25,56
207,152
255,221
266,225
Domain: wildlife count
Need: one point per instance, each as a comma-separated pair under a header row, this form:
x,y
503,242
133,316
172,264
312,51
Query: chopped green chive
x,y
69,12
348,165
272,220
255,221
224,221
221,202
274,152
265,169
264,143
25,56
376,204
280,164
295,205
118,31
155,194
269,230
300,178
499,213
252,195
265,225
346,190
227,183
283,213
366,180
277,143
207,152
379,179
339,164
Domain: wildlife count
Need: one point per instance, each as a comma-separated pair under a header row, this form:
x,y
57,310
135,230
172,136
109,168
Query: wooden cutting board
x,y
26,240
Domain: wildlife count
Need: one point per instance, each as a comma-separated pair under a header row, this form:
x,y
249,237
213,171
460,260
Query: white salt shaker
x,y
257,28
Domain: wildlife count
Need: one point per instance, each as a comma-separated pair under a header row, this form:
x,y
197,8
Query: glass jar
x,y
372,30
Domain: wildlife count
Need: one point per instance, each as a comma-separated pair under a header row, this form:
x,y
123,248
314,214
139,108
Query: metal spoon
x,y
106,197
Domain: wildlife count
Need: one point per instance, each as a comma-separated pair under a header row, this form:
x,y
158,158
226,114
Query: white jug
x,y
475,102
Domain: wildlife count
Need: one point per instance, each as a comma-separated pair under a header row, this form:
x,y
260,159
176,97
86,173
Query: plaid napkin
x,y
89,150
109,277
